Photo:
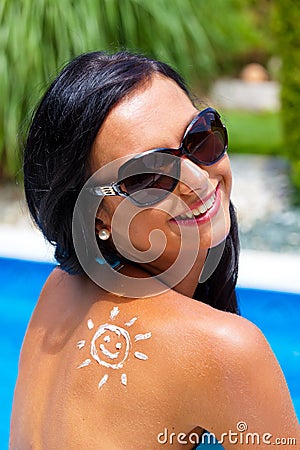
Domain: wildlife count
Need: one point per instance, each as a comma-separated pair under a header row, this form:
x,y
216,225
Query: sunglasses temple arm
x,y
101,191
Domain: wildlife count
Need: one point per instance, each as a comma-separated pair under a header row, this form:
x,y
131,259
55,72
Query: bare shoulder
x,y
230,373
206,340
187,316
220,335
60,291
60,280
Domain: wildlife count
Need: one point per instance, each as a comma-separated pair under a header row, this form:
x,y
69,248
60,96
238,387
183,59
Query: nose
x,y
192,178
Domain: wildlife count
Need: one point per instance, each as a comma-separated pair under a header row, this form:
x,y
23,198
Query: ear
x,y
103,219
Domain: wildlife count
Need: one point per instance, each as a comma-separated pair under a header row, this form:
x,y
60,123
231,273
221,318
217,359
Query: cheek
x,y
225,172
138,234
216,230
152,234
222,171
146,230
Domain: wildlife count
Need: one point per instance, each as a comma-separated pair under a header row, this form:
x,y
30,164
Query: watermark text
x,y
239,436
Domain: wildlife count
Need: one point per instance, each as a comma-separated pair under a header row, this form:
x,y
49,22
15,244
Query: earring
x,y
104,234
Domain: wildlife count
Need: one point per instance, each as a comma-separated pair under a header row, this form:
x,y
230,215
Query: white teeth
x,y
203,208
209,203
200,210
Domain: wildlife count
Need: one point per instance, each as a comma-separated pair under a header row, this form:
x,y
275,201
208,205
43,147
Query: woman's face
x,y
156,116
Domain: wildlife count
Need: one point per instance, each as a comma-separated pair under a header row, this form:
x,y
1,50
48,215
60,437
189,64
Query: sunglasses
x,y
150,176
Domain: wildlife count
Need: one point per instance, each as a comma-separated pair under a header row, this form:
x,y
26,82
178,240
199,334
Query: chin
x,y
216,230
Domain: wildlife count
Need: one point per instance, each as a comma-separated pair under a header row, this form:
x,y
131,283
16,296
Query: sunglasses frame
x,y
115,187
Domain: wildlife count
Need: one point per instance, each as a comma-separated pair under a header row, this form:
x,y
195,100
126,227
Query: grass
x,y
254,132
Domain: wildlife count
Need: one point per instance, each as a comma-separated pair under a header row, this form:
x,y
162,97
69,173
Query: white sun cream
x,y
131,322
122,340
140,355
124,379
98,356
90,324
108,353
81,344
139,337
114,312
103,381
85,363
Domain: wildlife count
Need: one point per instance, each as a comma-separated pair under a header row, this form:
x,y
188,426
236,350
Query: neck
x,y
186,286
189,283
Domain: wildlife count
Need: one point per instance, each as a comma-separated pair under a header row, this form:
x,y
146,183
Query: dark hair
x,y
57,152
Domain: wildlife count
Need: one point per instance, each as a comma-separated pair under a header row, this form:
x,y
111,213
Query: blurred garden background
x,y
241,56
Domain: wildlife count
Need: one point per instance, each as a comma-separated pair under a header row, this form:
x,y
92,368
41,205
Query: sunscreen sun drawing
x,y
111,344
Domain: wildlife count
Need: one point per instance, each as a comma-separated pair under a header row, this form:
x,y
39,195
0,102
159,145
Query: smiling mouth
x,y
201,210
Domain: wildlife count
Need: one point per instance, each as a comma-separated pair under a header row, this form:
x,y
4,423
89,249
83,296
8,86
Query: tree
x,y
197,37
286,25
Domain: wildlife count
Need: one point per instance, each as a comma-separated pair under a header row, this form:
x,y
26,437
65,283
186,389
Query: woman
x,y
105,365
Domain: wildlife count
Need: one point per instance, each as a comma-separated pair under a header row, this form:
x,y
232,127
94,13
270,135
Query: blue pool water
x,y
277,314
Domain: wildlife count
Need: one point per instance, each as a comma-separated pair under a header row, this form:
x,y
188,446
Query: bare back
x,y
96,373
102,372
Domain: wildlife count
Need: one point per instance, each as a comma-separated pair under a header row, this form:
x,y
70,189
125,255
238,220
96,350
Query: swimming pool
x,y
276,313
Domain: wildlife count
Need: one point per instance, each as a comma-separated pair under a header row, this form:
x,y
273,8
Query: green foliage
x,y
286,26
197,37
254,132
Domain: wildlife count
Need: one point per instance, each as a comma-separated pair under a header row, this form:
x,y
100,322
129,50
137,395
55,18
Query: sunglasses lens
x,y
150,177
206,140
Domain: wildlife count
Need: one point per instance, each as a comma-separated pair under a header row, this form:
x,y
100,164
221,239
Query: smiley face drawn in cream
x,y
98,356
111,344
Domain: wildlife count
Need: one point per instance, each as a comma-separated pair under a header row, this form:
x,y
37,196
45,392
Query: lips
x,y
201,211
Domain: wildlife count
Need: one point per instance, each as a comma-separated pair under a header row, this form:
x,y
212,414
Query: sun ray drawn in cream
x,y
111,344
140,355
81,344
131,322
90,324
124,379
114,312
103,381
85,363
139,337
